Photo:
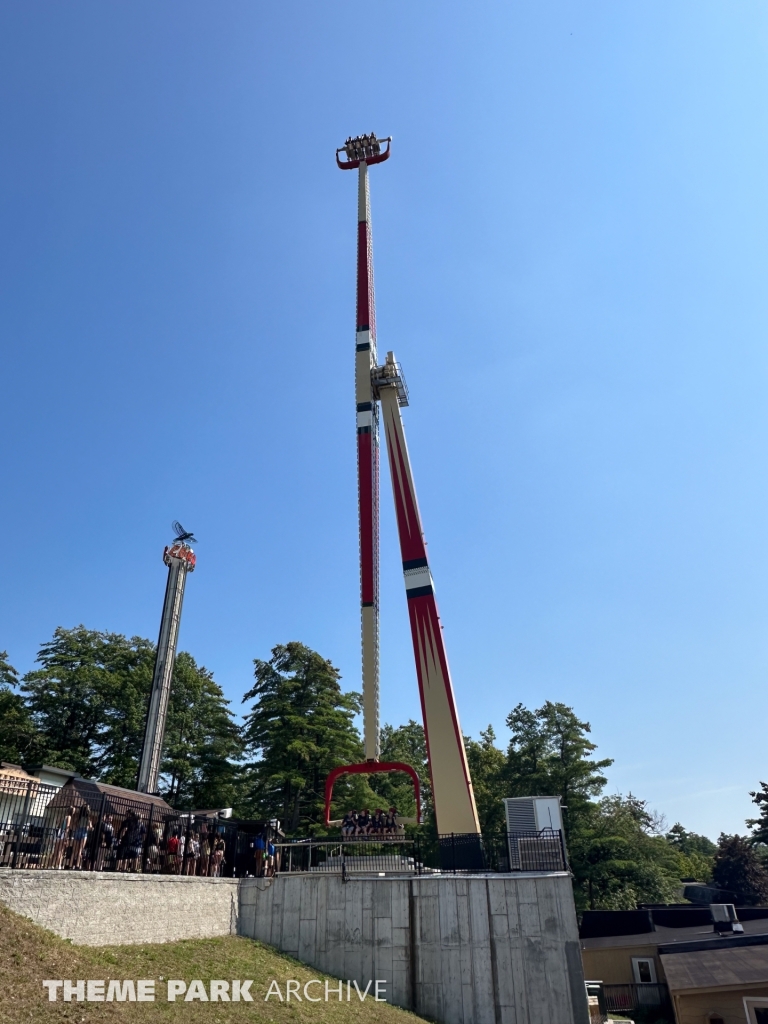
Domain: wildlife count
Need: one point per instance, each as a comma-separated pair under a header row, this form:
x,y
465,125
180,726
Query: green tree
x,y
689,843
759,825
696,853
299,728
17,732
203,744
738,869
619,857
488,771
404,743
123,685
550,754
65,698
88,702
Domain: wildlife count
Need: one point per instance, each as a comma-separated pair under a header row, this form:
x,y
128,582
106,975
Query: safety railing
x,y
632,998
444,854
362,855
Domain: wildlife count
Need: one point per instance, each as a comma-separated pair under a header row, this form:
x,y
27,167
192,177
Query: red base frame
x,y
370,768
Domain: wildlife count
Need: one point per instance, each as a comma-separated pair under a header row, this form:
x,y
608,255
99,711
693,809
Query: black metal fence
x,y
56,829
360,855
452,854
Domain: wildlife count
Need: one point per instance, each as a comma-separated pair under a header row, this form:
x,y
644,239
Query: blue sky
x,y
571,257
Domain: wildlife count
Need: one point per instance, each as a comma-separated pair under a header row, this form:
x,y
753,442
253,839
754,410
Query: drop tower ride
x,y
180,559
383,387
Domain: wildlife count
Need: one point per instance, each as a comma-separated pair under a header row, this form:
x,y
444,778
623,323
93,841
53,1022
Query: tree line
x,y
83,707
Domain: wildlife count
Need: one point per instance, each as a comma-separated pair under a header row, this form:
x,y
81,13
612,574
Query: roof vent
x,y
724,918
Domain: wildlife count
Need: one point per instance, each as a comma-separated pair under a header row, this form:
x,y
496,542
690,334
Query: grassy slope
x,y
29,953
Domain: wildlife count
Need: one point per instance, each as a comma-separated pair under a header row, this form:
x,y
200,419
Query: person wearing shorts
x,y
106,842
259,850
80,836
62,835
218,856
391,821
191,854
172,849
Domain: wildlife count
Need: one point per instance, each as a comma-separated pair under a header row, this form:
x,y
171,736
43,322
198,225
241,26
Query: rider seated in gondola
x,y
363,822
391,821
378,823
349,823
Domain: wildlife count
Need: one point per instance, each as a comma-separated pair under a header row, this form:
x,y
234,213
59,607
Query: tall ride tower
x,y
180,559
362,153
451,783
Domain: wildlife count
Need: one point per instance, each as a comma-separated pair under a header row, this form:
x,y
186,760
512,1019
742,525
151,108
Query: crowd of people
x,y
180,847
363,823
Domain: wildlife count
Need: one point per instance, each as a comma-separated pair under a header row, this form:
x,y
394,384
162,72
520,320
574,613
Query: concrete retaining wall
x,y
460,950
496,949
100,908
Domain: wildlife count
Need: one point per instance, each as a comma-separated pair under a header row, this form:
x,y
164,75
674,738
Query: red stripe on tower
x,y
367,533
363,279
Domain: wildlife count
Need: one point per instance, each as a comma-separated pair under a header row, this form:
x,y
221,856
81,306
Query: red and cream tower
x,y
384,384
368,151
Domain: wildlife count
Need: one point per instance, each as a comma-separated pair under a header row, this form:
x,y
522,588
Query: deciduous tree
x,y
738,869
620,858
487,768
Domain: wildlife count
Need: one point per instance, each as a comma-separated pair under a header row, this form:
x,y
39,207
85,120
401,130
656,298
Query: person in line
x,y
172,853
130,843
63,834
191,854
152,864
180,856
259,850
80,837
106,842
270,860
205,851
219,848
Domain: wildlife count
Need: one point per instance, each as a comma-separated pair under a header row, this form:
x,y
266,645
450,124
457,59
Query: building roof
x,y
716,968
65,773
662,936
15,772
86,788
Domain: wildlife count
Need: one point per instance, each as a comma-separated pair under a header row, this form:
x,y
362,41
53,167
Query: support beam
x,y
454,798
